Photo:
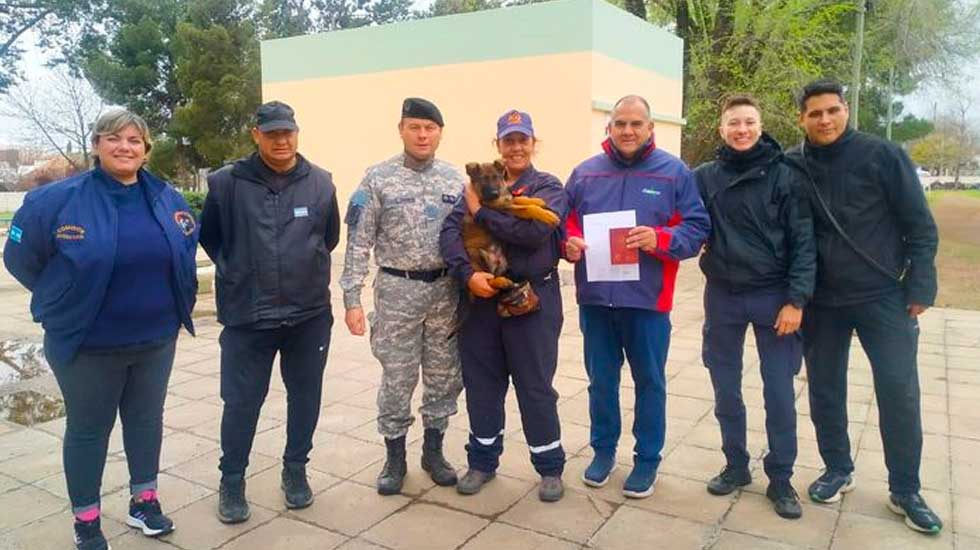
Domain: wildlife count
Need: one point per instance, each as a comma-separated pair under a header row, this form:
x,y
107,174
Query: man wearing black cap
x,y
398,211
269,224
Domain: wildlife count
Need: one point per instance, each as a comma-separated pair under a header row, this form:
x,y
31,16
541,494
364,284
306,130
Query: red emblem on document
x,y
619,254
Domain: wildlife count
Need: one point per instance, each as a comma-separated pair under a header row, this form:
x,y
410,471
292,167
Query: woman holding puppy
x,y
495,349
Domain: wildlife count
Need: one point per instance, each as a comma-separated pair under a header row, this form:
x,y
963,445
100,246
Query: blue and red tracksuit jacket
x,y
662,191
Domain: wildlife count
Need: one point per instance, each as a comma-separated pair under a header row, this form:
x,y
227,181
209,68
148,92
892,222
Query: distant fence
x,y
10,201
928,182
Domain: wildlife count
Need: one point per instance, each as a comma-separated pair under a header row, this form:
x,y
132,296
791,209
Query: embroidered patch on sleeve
x,y
185,221
356,205
16,233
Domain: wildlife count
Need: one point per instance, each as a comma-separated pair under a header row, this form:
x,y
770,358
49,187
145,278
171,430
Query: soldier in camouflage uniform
x,y
398,211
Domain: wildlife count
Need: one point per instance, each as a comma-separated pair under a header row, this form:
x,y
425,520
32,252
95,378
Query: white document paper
x,y
598,256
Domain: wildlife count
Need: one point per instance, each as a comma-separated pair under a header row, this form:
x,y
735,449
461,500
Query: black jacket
x,y
270,237
871,187
761,228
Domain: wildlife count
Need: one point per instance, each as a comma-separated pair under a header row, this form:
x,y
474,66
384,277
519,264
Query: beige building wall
x,y
350,123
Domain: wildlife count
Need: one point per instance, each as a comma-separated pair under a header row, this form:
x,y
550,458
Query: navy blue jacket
x,y
533,248
662,191
62,247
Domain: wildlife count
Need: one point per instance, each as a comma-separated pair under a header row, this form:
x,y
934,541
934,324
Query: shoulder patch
x,y
185,221
16,233
359,198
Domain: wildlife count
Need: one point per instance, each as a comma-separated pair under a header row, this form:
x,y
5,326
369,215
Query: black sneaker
x,y
784,500
295,487
146,516
232,506
88,535
918,516
830,486
728,480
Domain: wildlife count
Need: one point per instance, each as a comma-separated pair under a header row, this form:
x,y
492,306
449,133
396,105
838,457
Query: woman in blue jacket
x,y
108,256
522,348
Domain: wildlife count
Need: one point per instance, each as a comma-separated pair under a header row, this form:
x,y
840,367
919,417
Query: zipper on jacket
x,y
279,228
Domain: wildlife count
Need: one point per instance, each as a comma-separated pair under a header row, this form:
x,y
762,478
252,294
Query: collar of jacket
x,y
154,186
641,154
416,165
252,167
523,181
765,151
832,149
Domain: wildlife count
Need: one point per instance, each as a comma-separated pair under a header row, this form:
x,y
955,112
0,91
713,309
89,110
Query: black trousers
x,y
890,339
246,367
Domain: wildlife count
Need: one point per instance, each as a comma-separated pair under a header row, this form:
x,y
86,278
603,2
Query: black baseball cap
x,y
275,115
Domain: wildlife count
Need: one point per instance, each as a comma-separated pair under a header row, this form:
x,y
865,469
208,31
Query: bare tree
x,y
59,114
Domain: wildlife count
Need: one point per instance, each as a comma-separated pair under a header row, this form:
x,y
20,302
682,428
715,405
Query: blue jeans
x,y
96,385
644,336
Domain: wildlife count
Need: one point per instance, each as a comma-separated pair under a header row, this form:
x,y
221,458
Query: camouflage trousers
x,y
410,329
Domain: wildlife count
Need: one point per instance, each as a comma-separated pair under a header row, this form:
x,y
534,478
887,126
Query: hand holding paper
x,y
642,237
621,252
598,232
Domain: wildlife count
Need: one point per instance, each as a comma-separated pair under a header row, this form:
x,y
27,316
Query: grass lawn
x,y
957,214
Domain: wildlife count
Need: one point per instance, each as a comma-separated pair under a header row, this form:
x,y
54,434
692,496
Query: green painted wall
x,y
561,26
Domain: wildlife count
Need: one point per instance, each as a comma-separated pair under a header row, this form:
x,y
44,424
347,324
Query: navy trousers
x,y
246,367
644,335
726,317
523,349
890,339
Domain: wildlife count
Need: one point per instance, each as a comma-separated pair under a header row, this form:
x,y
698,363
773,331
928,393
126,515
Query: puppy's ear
x,y
499,167
473,169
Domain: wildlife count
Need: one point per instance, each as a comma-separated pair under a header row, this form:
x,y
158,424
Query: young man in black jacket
x,y
269,224
876,249
760,262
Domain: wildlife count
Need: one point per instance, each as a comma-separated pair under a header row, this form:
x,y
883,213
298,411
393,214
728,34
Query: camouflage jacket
x,y
398,211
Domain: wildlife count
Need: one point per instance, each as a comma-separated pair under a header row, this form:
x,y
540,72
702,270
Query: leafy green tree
x,y
51,22
217,53
129,58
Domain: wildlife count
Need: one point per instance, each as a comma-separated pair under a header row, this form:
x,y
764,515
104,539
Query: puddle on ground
x,y
22,360
29,407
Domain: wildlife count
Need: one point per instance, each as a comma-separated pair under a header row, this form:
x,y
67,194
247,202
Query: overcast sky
x,y
921,103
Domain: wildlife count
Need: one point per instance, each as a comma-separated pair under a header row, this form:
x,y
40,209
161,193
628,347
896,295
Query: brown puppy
x,y
486,253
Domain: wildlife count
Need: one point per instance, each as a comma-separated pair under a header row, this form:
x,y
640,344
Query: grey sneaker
x,y
473,481
551,489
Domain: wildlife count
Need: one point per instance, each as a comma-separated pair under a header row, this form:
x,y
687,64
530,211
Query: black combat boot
x,y
440,470
392,476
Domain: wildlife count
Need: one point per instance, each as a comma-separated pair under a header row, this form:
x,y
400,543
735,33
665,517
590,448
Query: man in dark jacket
x,y
269,224
876,249
760,263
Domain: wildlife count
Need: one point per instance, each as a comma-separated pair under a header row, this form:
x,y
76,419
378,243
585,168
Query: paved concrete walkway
x,y
348,453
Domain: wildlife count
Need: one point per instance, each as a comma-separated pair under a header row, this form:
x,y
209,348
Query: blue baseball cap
x,y
514,121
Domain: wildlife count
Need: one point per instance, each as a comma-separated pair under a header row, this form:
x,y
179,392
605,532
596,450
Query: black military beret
x,y
416,107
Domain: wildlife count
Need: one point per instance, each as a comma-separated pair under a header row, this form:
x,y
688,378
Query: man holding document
x,y
635,213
